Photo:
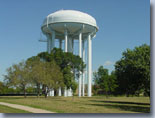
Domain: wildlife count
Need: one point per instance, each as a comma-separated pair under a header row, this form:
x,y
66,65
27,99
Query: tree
x,y
45,73
99,74
68,77
2,88
69,64
36,67
112,83
104,81
18,76
53,78
73,87
133,70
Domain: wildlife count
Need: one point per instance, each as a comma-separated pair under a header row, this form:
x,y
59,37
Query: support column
x,y
53,40
59,91
69,48
60,46
52,92
89,65
66,49
48,43
83,74
51,46
69,92
65,92
66,40
72,46
60,43
80,46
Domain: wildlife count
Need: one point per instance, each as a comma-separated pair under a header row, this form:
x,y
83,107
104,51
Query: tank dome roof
x,y
69,16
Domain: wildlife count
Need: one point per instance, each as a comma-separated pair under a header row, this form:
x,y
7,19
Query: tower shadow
x,y
127,106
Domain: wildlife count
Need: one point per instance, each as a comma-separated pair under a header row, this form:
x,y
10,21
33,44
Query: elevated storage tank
x,y
70,25
71,20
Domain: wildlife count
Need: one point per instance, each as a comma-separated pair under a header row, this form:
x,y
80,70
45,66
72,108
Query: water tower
x,y
68,26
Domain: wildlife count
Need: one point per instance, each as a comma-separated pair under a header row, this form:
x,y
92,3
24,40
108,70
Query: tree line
x,y
130,77
43,72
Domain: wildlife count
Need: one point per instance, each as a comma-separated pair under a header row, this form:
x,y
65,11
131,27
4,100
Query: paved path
x,y
25,108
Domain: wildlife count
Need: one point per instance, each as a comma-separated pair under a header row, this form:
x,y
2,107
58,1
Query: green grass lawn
x,y
5,109
95,104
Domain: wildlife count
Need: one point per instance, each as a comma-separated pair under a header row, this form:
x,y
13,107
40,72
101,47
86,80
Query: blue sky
x,y
122,24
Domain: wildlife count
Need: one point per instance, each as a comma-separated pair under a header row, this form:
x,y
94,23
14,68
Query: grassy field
x,y
5,109
95,104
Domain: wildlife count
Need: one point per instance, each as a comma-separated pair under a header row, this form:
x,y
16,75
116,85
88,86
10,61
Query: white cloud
x,y
108,63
